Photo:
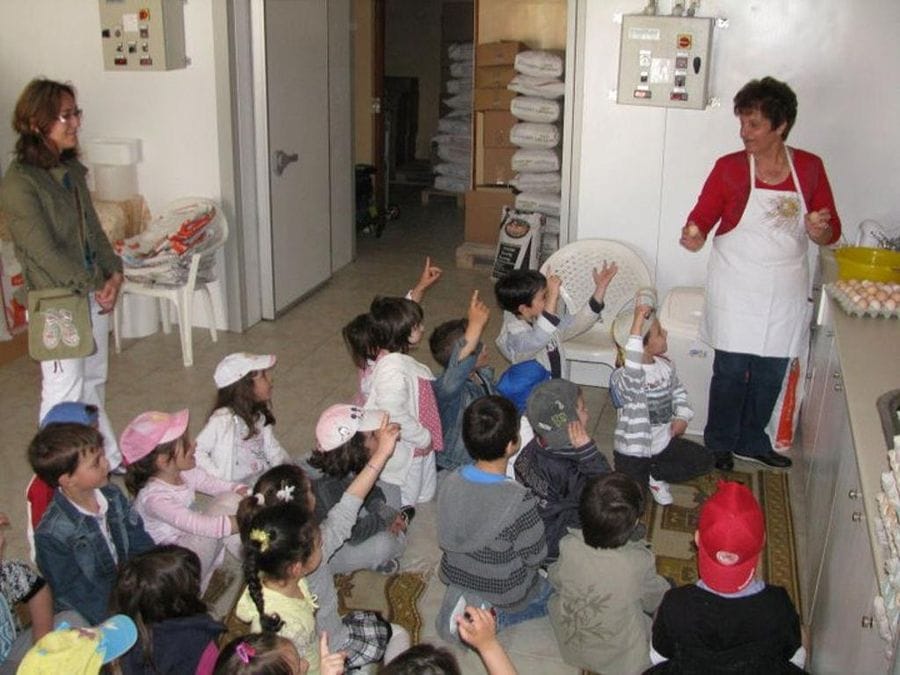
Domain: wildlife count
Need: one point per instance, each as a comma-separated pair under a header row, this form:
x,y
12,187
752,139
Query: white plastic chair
x,y
591,356
181,295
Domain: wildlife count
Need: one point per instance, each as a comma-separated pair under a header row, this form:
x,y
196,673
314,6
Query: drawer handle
x,y
838,386
836,374
867,622
856,516
853,494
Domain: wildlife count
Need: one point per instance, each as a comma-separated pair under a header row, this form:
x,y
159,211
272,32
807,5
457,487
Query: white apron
x,y
758,282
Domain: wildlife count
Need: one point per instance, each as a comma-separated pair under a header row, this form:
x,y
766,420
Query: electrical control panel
x,y
142,34
664,61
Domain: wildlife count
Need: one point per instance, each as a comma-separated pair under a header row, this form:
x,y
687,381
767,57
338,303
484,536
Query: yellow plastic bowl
x,y
874,264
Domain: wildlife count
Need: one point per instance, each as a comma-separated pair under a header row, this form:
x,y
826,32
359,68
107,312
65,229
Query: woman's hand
x,y
818,226
106,297
692,237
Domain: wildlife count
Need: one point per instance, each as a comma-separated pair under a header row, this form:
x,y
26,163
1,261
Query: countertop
x,y
869,351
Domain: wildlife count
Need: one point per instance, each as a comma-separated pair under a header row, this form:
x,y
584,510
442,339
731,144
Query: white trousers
x,y
421,481
84,380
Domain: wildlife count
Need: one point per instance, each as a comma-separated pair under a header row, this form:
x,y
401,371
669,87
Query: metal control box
x,y
142,34
664,61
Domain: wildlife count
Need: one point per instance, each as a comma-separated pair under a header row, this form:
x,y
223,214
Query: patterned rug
x,y
671,528
394,596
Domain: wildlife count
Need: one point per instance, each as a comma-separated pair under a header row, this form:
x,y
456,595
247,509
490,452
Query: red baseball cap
x,y
730,537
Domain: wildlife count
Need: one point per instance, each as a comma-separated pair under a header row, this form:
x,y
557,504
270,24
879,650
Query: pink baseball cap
x,y
150,429
731,534
339,423
235,366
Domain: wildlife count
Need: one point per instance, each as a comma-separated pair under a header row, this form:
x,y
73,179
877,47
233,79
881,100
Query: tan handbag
x,y
59,325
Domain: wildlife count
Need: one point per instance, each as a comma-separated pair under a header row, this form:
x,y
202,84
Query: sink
x,y
889,412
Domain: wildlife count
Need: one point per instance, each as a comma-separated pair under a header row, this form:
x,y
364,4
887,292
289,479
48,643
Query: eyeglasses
x,y
66,117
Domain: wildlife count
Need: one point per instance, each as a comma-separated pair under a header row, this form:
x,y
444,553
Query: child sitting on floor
x,y
533,324
648,440
729,621
160,591
605,575
456,345
560,459
489,530
89,527
238,442
164,478
345,442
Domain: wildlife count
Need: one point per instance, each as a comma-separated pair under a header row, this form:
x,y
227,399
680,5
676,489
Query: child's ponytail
x,y
361,341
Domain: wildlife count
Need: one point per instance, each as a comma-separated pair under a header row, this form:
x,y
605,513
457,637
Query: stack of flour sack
x,y
454,137
538,107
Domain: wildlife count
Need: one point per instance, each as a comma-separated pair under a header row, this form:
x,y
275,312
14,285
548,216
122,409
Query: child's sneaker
x,y
389,566
459,609
662,495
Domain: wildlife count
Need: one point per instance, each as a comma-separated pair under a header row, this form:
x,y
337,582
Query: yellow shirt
x,y
298,615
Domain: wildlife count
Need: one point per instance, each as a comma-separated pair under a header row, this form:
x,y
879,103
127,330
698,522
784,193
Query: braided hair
x,y
276,538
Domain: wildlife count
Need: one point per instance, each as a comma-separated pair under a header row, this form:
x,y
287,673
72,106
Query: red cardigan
x,y
727,190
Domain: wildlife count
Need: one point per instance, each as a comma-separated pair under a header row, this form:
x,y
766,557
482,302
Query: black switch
x,y
104,33
696,65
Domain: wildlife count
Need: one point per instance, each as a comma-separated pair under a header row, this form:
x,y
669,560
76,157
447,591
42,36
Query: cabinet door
x,y
841,640
832,443
811,411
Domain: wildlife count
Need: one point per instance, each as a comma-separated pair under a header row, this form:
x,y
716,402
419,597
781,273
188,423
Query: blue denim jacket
x,y
73,556
454,391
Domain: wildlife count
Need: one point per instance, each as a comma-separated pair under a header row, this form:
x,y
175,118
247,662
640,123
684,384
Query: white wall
x,y
640,169
172,112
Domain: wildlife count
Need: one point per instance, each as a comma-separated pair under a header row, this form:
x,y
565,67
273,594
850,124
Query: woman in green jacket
x,y
58,238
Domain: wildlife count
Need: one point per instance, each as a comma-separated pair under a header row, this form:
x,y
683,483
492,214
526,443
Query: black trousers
x,y
680,461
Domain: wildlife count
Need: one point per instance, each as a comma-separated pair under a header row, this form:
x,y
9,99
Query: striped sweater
x,y
491,536
652,396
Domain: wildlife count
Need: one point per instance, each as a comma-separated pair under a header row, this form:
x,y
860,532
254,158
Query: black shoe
x,y
724,461
770,459
408,513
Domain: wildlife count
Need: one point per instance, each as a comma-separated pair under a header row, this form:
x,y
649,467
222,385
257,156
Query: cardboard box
x,y
494,77
493,99
492,128
498,53
492,166
484,209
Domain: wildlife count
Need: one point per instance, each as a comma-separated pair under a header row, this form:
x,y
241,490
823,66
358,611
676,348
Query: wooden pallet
x,y
429,192
470,254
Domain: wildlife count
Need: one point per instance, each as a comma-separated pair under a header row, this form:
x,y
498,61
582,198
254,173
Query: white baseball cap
x,y
339,423
235,366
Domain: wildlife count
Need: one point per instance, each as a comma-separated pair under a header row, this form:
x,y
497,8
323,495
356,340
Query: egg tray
x,y
845,300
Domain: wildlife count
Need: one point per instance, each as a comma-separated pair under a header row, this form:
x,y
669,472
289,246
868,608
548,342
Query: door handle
x,y
281,160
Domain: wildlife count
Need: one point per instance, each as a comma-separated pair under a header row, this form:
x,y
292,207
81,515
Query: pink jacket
x,y
168,510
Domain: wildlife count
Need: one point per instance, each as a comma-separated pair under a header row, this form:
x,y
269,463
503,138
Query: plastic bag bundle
x,y
453,142
539,63
534,109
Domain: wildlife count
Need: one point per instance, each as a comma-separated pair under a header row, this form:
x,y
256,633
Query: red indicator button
x,y
685,41
144,14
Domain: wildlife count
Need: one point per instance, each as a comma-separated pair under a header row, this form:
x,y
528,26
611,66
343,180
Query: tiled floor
x,y
313,372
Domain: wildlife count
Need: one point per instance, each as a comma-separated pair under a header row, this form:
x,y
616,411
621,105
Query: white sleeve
x,y
210,455
276,455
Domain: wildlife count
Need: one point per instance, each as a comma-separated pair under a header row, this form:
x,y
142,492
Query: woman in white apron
x,y
768,201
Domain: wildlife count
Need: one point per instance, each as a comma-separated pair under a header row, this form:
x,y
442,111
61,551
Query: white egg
x,y
874,305
890,305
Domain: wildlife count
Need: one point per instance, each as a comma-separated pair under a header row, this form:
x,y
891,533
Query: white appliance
x,y
681,314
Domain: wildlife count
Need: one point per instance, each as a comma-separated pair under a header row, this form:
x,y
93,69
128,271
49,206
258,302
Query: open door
x,y
378,139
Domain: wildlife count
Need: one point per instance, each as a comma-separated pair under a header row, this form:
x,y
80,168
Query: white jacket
x,y
217,445
395,389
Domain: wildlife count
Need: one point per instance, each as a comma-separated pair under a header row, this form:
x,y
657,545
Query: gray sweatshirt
x,y
491,536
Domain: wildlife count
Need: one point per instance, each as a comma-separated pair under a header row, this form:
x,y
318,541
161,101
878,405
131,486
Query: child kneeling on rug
x,y
489,530
729,621
655,411
603,574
